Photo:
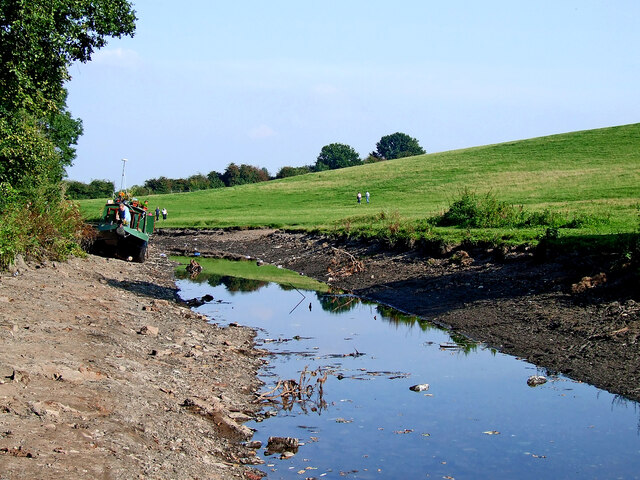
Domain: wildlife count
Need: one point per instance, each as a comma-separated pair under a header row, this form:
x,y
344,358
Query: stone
x,y
282,445
149,330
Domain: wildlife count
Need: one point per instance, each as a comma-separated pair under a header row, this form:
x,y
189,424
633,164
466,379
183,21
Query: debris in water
x,y
535,380
282,445
422,387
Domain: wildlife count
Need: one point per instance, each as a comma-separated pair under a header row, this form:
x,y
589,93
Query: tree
x,y
96,189
76,190
243,174
64,131
397,145
39,41
285,172
337,155
198,182
215,179
159,185
101,188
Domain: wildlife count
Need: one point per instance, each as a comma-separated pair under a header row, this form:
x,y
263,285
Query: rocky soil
x,y
576,314
104,375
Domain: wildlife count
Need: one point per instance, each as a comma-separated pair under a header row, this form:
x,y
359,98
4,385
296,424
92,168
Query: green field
x,y
593,175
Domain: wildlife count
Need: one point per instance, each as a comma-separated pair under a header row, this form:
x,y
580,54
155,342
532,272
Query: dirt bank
x,y
104,375
573,314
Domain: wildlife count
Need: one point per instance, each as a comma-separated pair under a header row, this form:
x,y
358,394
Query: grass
x,y
593,175
251,271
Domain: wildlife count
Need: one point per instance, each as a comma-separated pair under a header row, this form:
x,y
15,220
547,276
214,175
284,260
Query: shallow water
x,y
478,419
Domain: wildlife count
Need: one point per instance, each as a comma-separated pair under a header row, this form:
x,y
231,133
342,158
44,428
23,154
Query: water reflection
x,y
478,419
232,284
333,302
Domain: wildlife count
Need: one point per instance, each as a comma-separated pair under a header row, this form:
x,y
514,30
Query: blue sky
x,y
206,83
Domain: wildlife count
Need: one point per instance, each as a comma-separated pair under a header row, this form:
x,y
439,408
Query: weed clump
x,y
39,224
480,211
472,210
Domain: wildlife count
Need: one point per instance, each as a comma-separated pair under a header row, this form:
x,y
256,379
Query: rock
x,y
6,372
161,353
282,445
149,330
215,410
535,380
44,409
20,376
422,387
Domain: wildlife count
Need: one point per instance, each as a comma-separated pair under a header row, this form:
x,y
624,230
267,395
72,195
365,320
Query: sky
x,y
204,83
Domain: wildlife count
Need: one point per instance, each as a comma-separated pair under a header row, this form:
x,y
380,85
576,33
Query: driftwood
x,y
344,267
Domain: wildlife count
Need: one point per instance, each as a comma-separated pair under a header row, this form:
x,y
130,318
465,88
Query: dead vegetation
x,y
343,264
307,392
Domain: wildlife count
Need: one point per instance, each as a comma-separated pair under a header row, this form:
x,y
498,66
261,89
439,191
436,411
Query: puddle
x,y
477,419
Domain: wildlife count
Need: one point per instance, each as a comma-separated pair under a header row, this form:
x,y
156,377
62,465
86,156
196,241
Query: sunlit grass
x,y
595,173
250,270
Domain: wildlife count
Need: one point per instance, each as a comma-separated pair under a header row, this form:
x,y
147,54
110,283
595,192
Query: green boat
x,y
128,242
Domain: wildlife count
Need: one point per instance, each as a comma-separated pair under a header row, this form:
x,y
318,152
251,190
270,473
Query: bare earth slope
x,y
104,375
561,314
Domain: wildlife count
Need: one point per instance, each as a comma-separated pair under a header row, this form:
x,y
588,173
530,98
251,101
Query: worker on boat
x,y
123,215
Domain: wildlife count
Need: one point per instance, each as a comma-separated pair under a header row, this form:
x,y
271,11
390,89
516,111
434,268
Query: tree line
x,y
331,157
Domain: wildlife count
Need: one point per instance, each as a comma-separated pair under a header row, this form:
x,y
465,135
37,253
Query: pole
x,y
123,183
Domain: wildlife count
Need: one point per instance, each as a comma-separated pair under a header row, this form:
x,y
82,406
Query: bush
x,y
486,211
39,224
474,211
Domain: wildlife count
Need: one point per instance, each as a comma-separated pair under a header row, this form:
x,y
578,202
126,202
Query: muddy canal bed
x,y
359,418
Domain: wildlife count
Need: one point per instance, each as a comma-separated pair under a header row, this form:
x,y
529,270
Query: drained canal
x,y
355,361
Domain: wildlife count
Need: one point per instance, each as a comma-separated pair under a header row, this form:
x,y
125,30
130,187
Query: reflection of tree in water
x,y
466,344
395,317
337,303
233,284
199,279
237,284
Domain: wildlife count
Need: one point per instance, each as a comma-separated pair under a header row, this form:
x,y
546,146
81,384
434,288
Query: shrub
x,y
486,211
39,224
474,211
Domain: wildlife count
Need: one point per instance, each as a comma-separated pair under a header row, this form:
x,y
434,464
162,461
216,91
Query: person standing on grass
x,y
366,195
359,197
164,214
157,213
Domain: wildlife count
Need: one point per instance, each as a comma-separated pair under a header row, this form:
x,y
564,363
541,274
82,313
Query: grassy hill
x,y
592,175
